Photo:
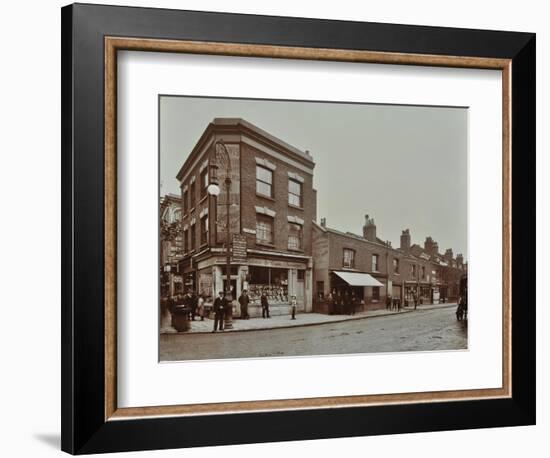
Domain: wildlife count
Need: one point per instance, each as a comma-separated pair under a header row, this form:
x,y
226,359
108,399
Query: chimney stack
x,y
459,259
449,254
405,240
431,246
369,229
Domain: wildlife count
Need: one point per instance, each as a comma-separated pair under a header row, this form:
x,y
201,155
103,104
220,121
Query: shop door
x,y
233,287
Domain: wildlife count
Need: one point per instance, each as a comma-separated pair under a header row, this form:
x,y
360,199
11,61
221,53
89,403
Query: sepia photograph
x,y
300,228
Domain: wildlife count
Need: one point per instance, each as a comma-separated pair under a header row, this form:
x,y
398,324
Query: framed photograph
x,y
284,228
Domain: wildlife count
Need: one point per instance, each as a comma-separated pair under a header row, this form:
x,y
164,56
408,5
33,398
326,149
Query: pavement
x,y
302,319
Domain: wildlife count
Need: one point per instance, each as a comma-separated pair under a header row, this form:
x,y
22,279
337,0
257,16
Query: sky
x,y
405,166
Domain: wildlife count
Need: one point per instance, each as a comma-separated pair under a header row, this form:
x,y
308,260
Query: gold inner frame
x,y
114,44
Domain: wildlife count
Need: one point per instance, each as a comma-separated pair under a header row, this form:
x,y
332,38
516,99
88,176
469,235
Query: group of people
x,y
342,302
192,302
222,304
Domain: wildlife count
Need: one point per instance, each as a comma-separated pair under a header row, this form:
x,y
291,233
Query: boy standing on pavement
x,y
293,307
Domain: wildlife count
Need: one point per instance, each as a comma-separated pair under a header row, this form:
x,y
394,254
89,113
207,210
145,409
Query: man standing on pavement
x,y
219,311
244,300
265,305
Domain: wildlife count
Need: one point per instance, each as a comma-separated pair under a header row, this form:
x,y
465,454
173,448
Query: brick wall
x,y
279,203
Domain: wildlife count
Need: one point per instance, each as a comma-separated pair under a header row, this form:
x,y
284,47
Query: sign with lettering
x,y
239,248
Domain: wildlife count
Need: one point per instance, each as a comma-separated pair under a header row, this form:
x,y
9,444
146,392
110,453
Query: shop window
x,y
349,258
264,229
294,236
376,293
294,193
264,181
375,259
269,280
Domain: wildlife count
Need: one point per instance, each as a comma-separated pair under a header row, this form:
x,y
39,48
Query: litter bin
x,y
180,318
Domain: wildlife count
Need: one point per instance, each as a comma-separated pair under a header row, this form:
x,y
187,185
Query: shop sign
x,y
239,248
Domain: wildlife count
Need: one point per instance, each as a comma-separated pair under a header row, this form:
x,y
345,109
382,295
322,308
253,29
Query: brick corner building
x,y
271,212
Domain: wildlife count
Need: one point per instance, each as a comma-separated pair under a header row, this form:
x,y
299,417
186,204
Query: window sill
x,y
265,244
296,250
296,207
263,196
348,268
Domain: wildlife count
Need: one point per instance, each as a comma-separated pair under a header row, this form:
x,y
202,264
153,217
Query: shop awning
x,y
357,279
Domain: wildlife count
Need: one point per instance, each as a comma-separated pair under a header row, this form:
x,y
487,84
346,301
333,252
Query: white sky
x,y
406,166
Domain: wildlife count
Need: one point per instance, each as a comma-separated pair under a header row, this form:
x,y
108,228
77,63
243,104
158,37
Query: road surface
x,y
420,330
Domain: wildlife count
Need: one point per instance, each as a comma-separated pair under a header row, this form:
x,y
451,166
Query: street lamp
x,y
214,190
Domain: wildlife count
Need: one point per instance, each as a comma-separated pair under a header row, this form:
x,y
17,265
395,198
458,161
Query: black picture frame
x,y
84,428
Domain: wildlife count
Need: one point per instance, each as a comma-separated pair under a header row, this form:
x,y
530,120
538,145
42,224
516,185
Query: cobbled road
x,y
421,330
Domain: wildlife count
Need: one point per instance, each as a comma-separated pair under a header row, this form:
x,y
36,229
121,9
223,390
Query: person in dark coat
x,y
347,303
353,303
194,301
244,300
220,305
265,306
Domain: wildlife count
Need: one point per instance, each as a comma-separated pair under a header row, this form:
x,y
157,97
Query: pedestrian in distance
x,y
388,302
330,304
353,303
194,304
415,299
293,305
244,300
265,305
347,303
219,311
200,306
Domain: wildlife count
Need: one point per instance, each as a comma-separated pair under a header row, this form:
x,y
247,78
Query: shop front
x,y
279,280
353,291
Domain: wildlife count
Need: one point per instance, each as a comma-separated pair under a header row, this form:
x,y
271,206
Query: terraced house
x,y
373,270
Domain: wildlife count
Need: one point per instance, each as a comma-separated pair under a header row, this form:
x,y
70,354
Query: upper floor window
x,y
294,236
185,202
186,240
264,229
294,193
264,181
396,265
413,270
192,195
193,237
423,272
204,229
349,258
204,181
375,259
